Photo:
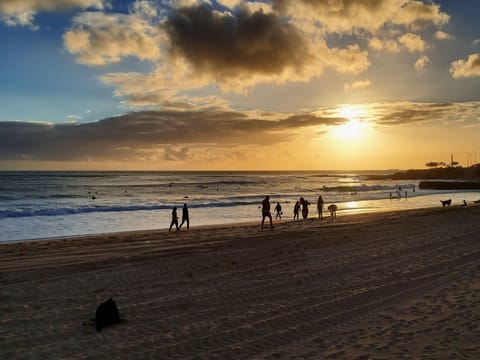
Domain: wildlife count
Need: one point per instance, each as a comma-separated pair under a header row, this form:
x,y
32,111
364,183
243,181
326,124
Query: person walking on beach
x,y
174,219
266,211
304,207
296,210
185,217
278,211
320,207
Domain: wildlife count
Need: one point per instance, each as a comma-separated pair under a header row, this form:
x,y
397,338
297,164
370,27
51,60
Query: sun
x,y
357,125
350,130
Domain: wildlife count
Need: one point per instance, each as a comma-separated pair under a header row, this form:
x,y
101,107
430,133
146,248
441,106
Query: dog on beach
x,y
446,202
106,314
333,210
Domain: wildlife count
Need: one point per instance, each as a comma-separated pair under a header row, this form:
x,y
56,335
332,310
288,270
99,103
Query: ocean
x,y
51,204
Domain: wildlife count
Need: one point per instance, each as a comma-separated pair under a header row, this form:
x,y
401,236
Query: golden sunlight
x,y
357,125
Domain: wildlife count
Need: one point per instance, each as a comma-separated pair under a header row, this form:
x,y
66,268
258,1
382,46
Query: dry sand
x,y
402,285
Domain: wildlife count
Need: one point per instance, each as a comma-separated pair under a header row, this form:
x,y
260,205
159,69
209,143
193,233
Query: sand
x,y
401,285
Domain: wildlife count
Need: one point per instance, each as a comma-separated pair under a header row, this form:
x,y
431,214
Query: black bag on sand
x,y
106,314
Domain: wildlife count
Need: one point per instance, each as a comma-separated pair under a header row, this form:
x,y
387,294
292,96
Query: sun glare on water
x,y
357,125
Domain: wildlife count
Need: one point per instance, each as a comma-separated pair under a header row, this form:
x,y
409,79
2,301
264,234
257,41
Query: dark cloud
x,y
172,154
140,133
416,113
232,45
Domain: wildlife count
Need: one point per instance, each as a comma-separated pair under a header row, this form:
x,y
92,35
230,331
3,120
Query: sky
x,y
238,85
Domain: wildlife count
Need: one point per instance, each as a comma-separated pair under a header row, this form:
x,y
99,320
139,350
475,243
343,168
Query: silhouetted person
x,y
304,207
333,210
174,219
296,210
266,210
320,207
185,217
278,211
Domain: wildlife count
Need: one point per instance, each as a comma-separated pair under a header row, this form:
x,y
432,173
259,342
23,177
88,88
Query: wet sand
x,y
372,286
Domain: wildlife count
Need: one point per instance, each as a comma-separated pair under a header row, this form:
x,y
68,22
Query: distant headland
x,y
442,176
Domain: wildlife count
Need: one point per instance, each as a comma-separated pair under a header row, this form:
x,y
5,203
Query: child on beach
x,y
174,219
296,210
278,210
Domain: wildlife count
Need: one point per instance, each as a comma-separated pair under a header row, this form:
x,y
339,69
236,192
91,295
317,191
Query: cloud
x,y
466,69
406,113
418,15
441,35
413,42
358,85
237,48
169,80
22,13
177,102
98,38
421,63
348,16
172,154
232,46
202,136
349,60
229,3
136,134
338,16
387,45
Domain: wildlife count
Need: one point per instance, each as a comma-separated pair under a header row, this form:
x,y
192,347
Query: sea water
x,y
36,205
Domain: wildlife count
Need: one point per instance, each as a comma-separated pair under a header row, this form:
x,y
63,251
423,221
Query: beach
x,y
385,285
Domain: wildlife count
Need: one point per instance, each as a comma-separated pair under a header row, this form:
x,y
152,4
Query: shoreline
x,y
342,212
166,240
55,212
379,285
